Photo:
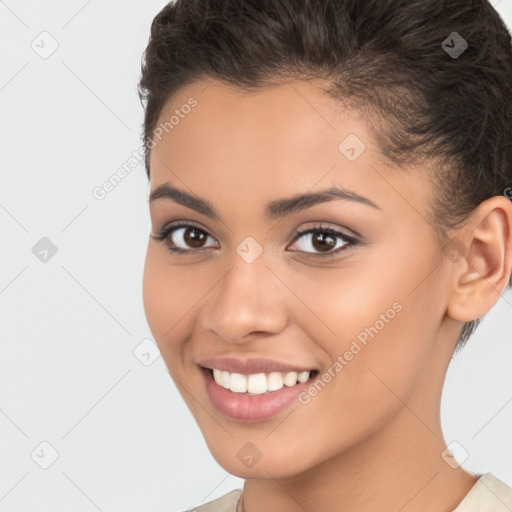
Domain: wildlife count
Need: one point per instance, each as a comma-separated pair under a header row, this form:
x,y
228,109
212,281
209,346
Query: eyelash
x,y
350,242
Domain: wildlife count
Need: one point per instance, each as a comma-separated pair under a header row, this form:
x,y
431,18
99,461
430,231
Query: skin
x,y
371,439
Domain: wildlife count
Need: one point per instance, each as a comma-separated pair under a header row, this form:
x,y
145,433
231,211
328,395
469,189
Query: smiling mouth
x,y
259,383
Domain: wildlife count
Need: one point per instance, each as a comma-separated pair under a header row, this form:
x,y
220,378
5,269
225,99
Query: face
x,y
360,299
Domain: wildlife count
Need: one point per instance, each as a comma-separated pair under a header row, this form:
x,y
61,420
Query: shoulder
x,y
489,494
226,503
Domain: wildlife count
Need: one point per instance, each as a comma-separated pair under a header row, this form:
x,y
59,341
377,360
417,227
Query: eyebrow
x,y
275,209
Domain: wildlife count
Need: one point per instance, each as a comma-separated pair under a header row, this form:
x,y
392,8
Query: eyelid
x,y
185,223
323,226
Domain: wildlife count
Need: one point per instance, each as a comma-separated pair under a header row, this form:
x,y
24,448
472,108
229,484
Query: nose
x,y
249,301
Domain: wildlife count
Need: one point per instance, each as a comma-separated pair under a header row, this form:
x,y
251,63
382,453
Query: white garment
x,y
488,494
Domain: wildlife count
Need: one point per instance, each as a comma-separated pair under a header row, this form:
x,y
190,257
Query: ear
x,y
481,254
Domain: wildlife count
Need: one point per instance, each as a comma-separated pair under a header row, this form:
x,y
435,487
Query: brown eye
x,y
324,241
187,238
181,238
194,237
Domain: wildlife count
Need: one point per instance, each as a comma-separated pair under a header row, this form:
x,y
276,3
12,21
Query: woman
x,y
330,189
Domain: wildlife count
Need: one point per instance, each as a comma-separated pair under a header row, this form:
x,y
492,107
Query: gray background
x,y
71,327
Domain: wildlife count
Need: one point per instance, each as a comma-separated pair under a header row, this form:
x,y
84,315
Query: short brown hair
x,y
403,63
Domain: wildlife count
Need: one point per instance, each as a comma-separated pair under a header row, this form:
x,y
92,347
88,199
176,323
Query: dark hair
x,y
428,98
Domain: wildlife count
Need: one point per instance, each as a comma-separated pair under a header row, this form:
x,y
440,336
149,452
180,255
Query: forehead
x,y
271,128
272,142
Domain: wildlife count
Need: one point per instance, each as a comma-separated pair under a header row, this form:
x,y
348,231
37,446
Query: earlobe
x,y
483,270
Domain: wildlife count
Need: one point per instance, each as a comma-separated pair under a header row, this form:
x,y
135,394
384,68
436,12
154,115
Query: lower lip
x,y
244,407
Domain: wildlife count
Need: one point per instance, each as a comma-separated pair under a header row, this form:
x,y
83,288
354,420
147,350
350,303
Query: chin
x,y
274,465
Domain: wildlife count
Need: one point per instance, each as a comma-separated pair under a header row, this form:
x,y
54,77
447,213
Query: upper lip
x,y
252,365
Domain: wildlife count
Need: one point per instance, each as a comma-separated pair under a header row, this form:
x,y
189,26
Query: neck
x,y
398,468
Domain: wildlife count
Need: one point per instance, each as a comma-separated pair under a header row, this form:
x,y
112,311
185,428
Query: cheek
x,y
170,295
161,289
376,332
152,293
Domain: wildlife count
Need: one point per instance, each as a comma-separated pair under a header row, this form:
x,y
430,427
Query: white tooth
x,y
257,383
238,383
225,379
303,377
290,379
274,381
217,376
